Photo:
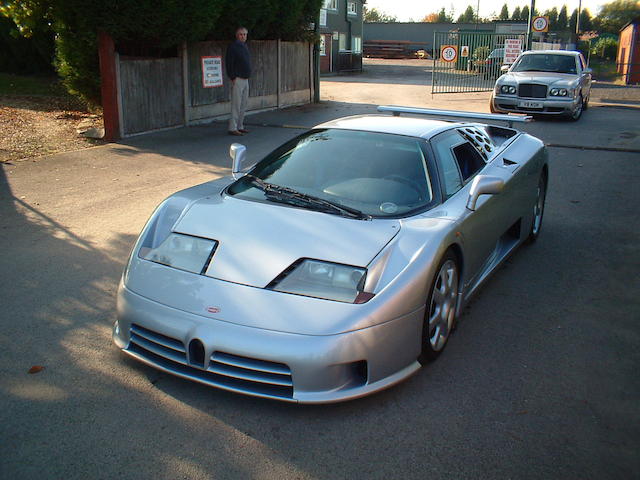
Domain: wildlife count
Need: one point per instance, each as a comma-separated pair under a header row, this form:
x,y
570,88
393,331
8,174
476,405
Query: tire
x,y
440,311
491,107
538,209
577,113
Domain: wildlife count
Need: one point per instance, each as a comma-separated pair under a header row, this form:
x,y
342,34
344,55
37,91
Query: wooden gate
x,y
151,94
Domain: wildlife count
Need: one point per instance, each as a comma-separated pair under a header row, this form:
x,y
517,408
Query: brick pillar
x,y
109,86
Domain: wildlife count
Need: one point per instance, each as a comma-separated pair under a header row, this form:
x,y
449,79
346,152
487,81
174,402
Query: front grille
x,y
231,372
532,90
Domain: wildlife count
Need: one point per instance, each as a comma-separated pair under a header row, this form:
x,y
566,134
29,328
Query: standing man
x,y
238,65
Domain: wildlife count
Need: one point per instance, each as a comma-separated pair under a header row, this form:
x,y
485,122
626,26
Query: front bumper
x,y
266,363
510,103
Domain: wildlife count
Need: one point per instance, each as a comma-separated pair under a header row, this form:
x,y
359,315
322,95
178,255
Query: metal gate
x,y
469,61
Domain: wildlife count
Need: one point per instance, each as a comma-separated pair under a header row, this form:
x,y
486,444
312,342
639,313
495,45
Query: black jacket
x,y
238,60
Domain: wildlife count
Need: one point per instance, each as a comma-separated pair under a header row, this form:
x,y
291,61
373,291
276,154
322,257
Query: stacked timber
x,y
392,49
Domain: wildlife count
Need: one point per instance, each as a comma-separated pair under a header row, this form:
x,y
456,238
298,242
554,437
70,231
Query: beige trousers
x,y
239,97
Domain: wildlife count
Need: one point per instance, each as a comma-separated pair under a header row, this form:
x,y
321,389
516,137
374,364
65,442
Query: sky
x,y
406,10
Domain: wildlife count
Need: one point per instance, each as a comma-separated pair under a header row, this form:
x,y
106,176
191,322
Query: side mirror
x,y
504,68
483,185
237,152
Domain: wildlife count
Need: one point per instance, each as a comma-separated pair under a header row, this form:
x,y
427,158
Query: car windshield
x,y
342,172
547,62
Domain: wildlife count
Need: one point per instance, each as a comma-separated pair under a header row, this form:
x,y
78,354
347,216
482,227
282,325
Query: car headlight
x,y
184,252
558,92
508,89
330,281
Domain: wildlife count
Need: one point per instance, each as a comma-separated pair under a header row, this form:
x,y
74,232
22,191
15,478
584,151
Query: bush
x,y
25,55
606,48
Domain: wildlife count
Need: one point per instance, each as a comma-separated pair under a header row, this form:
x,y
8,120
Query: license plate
x,y
530,104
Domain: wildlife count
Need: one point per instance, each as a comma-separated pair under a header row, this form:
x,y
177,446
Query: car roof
x,y
559,52
410,126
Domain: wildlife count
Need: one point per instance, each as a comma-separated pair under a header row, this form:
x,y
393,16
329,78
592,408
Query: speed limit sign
x,y
540,24
449,53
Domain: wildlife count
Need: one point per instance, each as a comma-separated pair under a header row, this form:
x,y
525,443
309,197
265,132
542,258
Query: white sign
x,y
323,17
512,49
540,24
464,51
212,72
449,53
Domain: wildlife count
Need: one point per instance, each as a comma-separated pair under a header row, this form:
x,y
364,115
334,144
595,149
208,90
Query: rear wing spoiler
x,y
510,119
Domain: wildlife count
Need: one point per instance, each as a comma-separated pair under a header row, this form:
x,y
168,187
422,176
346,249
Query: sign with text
x,y
212,72
512,49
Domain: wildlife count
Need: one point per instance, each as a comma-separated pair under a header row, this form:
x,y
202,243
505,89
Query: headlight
x,y
508,89
558,92
331,281
184,252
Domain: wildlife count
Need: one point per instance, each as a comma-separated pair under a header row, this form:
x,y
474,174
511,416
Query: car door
x,y
585,77
458,163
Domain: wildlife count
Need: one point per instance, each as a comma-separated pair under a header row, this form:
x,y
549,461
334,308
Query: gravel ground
x,y
32,126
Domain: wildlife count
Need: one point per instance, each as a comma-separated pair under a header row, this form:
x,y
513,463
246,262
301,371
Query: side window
x,y
469,160
443,146
458,160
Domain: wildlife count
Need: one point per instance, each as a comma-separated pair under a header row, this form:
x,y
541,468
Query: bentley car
x,y
337,265
546,82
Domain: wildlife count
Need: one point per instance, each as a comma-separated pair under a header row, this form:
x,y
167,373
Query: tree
x,y
614,15
443,17
376,16
553,18
524,15
563,19
586,24
468,16
430,18
504,13
516,15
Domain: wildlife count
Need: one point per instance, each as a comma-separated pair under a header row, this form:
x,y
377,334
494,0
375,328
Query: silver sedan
x,y
335,266
547,82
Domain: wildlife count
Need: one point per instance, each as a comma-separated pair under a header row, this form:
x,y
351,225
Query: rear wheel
x,y
538,209
440,313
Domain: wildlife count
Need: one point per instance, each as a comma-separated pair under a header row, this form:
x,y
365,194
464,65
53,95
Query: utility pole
x,y
529,33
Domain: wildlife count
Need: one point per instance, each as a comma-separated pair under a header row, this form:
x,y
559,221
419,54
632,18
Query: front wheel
x,y
575,116
440,313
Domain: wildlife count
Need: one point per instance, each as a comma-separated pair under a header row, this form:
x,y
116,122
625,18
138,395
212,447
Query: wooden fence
x,y
167,92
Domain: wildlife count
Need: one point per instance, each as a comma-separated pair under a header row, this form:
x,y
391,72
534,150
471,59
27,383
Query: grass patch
x,y
30,85
603,69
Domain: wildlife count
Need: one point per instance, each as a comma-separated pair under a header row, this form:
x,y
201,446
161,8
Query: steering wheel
x,y
406,181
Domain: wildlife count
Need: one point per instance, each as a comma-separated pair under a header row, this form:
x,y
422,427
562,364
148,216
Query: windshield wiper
x,y
294,197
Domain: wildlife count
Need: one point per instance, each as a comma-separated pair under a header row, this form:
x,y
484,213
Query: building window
x,y
342,42
356,44
331,4
323,46
351,8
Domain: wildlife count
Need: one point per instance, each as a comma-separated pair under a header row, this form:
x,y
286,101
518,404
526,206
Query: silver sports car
x,y
338,264
548,82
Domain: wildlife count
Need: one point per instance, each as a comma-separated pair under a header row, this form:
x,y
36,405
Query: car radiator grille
x,y
225,370
532,90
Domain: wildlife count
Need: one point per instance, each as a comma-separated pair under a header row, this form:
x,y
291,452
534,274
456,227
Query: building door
x,y
325,53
